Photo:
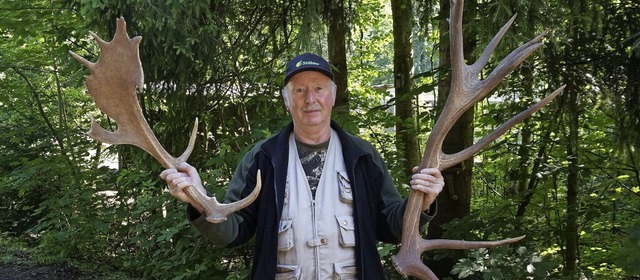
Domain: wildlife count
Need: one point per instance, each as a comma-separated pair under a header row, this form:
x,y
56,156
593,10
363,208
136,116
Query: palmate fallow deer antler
x,y
466,90
112,85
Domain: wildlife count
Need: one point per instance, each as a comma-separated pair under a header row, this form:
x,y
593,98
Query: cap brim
x,y
327,73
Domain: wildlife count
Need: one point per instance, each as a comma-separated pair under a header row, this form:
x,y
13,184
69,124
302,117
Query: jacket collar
x,y
274,146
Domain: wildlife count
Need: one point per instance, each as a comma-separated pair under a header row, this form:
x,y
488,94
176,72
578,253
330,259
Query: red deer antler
x,y
112,85
466,90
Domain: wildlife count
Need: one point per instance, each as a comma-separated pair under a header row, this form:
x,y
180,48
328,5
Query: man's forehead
x,y
310,76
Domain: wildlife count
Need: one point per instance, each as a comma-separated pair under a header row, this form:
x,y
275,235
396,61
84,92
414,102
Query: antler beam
x,y
466,90
112,85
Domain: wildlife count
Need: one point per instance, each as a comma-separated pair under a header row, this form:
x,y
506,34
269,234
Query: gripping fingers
x,y
166,173
430,189
178,181
183,182
175,180
428,181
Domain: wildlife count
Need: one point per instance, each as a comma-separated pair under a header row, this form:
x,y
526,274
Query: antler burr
x,y
466,90
112,85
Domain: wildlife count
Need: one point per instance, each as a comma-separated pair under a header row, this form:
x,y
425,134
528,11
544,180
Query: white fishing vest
x,y
316,239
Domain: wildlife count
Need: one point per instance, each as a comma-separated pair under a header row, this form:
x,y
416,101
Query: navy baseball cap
x,y
307,62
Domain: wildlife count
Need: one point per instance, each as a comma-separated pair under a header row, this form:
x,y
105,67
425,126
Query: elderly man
x,y
327,196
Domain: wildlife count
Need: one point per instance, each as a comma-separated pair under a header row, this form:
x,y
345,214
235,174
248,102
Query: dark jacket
x,y
378,207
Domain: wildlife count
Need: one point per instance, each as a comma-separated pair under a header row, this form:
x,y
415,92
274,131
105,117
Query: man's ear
x,y
286,103
285,99
335,96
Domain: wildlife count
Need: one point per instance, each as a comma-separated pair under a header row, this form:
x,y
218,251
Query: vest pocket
x,y
344,186
285,235
287,272
347,230
344,270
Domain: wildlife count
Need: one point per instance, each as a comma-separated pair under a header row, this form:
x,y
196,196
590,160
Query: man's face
x,y
311,99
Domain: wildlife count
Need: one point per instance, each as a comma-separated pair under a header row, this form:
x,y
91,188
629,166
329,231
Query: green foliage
x,y
14,251
504,263
627,256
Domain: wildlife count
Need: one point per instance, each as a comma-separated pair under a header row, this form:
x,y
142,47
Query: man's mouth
x,y
311,110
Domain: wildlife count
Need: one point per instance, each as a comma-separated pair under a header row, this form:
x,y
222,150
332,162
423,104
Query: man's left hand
x,y
430,182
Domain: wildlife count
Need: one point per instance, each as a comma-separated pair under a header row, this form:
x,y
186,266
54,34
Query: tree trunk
x,y
571,231
406,128
571,254
632,93
524,159
550,127
524,151
455,200
336,41
540,159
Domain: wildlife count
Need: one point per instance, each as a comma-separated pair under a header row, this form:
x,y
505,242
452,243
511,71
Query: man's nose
x,y
309,97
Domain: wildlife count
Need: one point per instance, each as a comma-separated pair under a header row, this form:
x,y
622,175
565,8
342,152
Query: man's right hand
x,y
180,178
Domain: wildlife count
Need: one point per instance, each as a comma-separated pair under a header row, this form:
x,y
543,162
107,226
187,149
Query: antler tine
x,y
125,135
221,211
82,60
491,47
455,34
421,271
466,90
192,142
510,62
449,160
112,85
470,73
436,244
99,39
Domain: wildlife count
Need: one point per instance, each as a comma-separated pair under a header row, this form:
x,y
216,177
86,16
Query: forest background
x,y
568,177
